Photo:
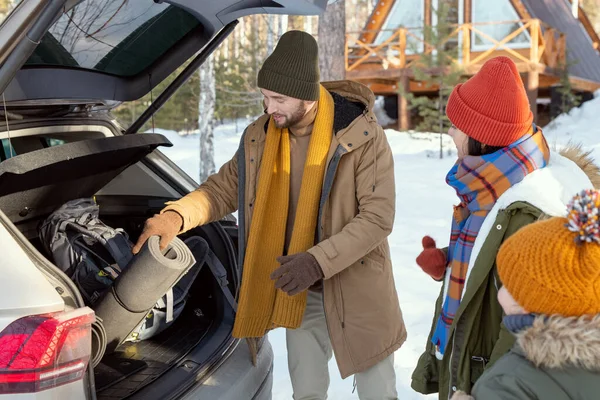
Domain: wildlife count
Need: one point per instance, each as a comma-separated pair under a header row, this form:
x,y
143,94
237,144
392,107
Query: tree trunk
x,y
270,33
206,123
308,26
295,22
370,6
239,39
332,41
352,19
283,25
256,56
280,25
132,105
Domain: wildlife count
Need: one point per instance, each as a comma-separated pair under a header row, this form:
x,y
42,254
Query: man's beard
x,y
292,120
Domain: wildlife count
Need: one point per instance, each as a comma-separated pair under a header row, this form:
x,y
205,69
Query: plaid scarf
x,y
479,182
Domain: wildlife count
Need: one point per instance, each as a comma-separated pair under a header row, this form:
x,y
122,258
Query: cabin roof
x,y
557,13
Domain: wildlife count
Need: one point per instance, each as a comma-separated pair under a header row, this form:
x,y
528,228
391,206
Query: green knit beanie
x,y
293,67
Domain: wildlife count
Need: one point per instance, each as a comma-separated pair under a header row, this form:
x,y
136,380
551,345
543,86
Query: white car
x,y
63,65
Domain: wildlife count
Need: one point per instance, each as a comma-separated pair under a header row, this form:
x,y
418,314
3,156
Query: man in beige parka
x,y
313,184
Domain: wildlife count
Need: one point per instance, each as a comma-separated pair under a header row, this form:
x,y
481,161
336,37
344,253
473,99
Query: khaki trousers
x,y
309,351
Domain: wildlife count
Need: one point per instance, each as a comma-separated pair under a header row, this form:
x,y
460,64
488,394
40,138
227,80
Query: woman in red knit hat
x,y
505,178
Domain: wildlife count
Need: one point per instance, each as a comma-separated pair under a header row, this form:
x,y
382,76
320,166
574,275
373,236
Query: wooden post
x,y
428,17
402,48
427,12
467,19
533,82
466,45
534,55
403,109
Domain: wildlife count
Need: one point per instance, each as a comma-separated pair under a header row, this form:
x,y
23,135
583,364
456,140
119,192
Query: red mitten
x,y
432,260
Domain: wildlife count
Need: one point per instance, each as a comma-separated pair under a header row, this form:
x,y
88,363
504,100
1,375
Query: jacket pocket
x,y
374,257
426,376
340,301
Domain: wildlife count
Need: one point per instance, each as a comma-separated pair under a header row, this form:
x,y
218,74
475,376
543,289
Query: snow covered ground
x,y
423,206
581,125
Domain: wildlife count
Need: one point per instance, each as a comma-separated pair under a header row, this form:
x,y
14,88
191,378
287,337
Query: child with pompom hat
x,y
551,296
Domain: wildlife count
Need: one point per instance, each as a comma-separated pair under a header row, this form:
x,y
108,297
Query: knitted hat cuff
x,y
481,127
288,86
547,272
532,297
537,299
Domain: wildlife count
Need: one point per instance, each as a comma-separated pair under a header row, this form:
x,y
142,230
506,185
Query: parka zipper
x,y
450,385
336,160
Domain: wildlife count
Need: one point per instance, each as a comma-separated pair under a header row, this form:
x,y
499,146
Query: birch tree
x,y
206,121
308,25
282,20
332,40
295,22
270,33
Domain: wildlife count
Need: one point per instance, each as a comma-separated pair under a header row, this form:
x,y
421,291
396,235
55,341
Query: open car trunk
x,y
137,364
33,185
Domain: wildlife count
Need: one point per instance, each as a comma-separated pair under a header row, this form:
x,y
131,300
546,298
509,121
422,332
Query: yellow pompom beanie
x,y
553,266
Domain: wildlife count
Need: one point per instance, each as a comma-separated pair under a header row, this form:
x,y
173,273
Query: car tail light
x,y
39,352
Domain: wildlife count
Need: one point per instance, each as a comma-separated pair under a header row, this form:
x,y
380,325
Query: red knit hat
x,y
492,106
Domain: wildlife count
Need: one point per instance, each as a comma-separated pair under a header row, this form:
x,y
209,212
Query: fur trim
x,y
584,160
460,395
559,342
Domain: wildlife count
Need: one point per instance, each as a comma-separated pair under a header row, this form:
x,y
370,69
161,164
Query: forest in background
x,y
224,88
226,85
232,70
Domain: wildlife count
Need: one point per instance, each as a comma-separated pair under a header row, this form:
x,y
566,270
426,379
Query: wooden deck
x,y
546,47
388,65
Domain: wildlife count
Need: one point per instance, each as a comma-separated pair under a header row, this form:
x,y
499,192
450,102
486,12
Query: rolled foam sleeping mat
x,y
149,275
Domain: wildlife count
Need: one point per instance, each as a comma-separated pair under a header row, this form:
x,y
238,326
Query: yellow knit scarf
x,y
261,307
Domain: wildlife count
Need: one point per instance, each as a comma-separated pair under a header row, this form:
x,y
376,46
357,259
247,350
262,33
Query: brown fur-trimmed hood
x,y
559,342
584,160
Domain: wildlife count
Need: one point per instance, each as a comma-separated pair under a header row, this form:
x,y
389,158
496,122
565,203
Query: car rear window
x,y
120,37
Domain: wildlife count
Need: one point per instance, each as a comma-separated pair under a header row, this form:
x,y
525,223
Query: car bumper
x,y
237,378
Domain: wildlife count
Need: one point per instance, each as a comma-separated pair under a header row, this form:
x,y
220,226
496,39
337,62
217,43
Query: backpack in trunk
x,y
93,255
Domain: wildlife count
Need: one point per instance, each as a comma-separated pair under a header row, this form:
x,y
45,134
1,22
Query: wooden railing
x,y
546,45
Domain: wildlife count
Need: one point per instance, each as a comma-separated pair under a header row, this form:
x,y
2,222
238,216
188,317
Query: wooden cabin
x,y
534,33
